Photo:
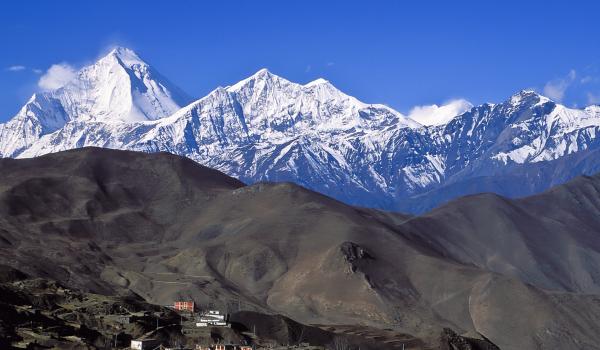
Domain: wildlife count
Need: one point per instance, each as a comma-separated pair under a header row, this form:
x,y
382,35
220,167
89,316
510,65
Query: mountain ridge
x,y
266,128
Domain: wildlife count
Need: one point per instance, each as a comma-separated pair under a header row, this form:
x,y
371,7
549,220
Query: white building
x,y
211,318
145,344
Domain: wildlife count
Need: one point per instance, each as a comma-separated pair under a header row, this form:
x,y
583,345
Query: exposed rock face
x,y
452,341
353,252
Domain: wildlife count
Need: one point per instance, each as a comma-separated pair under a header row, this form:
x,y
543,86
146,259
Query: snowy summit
x,y
268,128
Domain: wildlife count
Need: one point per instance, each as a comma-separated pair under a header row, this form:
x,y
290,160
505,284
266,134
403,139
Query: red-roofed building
x,y
184,306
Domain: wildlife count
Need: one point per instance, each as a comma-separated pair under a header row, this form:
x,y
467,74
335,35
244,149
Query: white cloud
x,y
308,68
593,99
37,71
555,89
329,64
56,76
16,68
586,79
438,115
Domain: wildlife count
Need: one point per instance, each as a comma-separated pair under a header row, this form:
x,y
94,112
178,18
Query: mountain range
x,y
512,274
266,128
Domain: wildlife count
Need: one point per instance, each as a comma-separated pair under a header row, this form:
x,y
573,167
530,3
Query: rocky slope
x,y
522,274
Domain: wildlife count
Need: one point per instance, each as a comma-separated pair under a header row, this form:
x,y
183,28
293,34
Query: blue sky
x,y
399,53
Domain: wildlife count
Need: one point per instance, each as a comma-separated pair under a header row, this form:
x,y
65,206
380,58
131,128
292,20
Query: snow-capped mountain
x,y
119,87
268,128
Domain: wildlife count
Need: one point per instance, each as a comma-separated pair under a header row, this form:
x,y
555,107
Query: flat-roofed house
x,y
184,306
211,318
145,344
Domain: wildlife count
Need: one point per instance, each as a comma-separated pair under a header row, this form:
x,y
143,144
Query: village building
x,y
225,347
212,318
184,306
145,344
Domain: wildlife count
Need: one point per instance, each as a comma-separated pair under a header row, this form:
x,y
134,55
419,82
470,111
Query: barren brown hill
x,y
521,273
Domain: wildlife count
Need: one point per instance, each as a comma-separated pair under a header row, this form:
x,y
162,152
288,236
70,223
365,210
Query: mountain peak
x,y
528,96
262,71
122,51
118,87
262,75
318,81
127,56
527,93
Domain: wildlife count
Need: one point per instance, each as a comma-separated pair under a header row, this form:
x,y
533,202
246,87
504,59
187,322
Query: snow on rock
x,y
268,128
118,88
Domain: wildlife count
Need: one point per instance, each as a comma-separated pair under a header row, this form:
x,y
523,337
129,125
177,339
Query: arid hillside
x,y
523,274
